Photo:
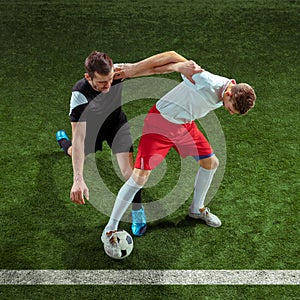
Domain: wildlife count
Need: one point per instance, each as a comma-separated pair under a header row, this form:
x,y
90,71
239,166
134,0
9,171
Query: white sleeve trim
x,y
118,65
77,99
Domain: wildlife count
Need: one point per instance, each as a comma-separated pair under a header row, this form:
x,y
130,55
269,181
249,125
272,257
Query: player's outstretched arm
x,y
159,63
79,189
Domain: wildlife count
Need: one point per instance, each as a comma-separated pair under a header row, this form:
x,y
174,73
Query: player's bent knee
x,y
140,176
126,173
209,163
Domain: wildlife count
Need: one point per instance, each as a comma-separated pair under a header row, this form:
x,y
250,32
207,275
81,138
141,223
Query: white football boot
x,y
111,245
205,215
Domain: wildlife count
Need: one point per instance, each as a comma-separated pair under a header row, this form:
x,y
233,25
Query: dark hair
x,y
98,62
243,97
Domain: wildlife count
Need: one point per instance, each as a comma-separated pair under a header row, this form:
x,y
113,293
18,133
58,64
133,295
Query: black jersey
x,y
103,115
83,94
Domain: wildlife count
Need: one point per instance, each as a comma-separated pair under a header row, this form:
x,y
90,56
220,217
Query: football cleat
x,y
205,215
111,246
139,222
61,134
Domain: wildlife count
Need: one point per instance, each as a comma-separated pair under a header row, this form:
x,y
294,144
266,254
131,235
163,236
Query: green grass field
x,y
42,50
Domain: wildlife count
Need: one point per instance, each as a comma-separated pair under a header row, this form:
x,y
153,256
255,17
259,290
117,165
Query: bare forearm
x,y
169,68
159,63
78,156
78,159
79,189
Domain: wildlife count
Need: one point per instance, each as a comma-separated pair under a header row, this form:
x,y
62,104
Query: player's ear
x,y
228,93
87,76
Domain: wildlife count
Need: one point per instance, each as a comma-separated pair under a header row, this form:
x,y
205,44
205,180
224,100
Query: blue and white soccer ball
x,y
125,242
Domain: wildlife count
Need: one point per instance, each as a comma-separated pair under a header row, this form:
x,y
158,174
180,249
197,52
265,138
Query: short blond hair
x,y
243,97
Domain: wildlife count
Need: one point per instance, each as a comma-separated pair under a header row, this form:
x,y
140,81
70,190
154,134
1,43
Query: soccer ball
x,y
125,242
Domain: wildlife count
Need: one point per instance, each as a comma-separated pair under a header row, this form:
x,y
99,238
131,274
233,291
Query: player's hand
x,y
188,69
79,191
123,71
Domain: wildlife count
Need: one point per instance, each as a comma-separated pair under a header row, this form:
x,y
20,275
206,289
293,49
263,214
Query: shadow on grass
x,y
75,230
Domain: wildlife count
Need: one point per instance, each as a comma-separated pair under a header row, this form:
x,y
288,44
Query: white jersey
x,y
187,102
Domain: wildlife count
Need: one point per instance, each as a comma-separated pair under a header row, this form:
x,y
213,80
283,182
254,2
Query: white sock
x,y
202,183
123,200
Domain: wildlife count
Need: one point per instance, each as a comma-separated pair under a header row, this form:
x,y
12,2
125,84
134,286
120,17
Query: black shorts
x,y
116,133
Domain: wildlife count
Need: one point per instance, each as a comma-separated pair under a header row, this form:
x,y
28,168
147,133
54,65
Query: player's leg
x,y
204,177
152,149
194,143
123,200
120,141
139,221
145,162
125,162
125,197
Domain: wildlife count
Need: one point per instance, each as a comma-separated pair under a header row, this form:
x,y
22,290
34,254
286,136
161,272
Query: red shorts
x,y
159,136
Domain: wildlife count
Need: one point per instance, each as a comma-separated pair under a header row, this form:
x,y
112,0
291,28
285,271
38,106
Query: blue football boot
x,y
139,222
61,134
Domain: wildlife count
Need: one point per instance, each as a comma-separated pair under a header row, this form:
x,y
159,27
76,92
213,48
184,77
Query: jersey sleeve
x,y
78,103
205,80
198,79
118,65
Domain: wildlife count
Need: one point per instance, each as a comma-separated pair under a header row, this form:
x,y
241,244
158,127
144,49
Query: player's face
x,y
228,104
101,83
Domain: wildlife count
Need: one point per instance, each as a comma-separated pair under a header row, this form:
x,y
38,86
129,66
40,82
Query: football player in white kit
x,y
170,123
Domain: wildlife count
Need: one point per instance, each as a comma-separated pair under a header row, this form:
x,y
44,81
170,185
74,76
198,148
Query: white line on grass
x,y
149,277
